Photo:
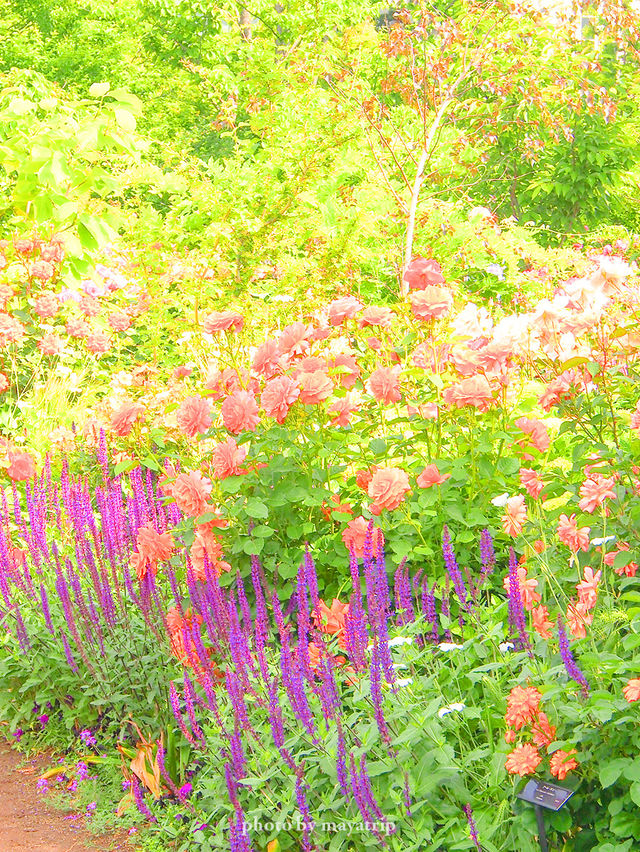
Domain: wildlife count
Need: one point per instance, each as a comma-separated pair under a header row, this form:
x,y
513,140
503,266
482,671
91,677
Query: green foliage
x,y
63,162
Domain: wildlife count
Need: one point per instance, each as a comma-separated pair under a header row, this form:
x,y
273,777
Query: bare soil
x,y
28,824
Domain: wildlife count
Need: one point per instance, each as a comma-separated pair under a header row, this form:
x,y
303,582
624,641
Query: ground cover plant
x,y
318,526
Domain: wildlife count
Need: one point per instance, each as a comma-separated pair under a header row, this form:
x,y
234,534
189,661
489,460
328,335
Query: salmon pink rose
x,y
530,480
267,359
432,303
355,533
194,416
21,467
343,308
350,376
98,342
632,690
11,330
377,316
191,491
575,538
77,328
431,476
240,412
227,458
119,321
278,396
51,344
422,273
315,387
47,305
384,384
124,418
515,515
342,409
42,270
222,321
294,339
475,391
388,488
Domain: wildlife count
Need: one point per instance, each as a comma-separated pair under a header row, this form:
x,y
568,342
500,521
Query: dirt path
x,y
28,824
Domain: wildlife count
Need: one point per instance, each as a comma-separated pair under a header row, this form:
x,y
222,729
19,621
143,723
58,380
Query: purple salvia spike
x,y
517,618
138,797
303,807
311,579
473,831
376,695
341,762
429,609
262,620
278,615
445,608
275,716
406,794
95,621
245,609
165,775
189,700
367,550
353,635
360,799
44,603
212,701
17,514
232,788
453,570
67,652
237,753
102,455
174,702
208,614
327,691
382,581
368,792
234,690
21,631
238,835
404,595
304,713
487,558
240,654
567,658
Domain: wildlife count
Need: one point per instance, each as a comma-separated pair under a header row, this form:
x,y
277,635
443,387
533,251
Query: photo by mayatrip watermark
x,y
328,826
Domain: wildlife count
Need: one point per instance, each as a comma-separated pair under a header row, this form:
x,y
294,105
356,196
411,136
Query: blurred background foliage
x,y
280,138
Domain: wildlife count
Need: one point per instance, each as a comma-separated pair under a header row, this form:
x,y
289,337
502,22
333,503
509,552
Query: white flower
x,y
596,542
452,708
449,646
506,646
400,640
501,500
404,681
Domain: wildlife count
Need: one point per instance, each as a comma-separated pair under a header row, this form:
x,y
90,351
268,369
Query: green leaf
x,y
125,466
624,557
634,793
632,771
610,772
253,546
262,531
99,90
256,508
125,119
378,446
